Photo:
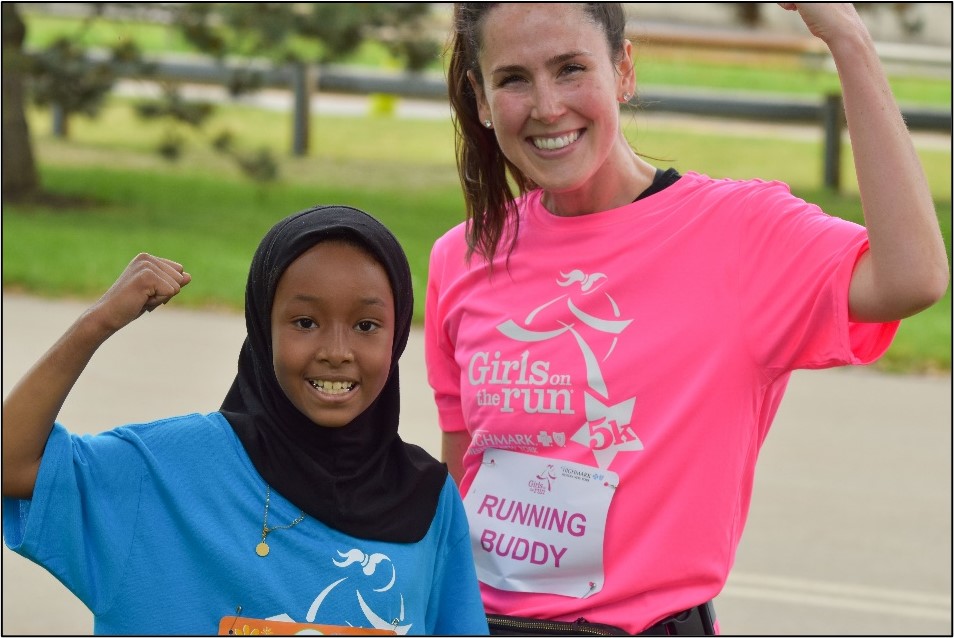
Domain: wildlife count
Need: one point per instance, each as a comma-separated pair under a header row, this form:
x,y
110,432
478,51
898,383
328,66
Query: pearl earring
x,y
488,124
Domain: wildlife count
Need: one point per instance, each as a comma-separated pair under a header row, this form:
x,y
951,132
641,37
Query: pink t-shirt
x,y
680,317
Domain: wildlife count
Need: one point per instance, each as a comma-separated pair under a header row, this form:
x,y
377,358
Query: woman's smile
x,y
556,142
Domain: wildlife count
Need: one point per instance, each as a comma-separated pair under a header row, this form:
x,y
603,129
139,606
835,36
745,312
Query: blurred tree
x,y
64,76
301,34
295,35
20,178
282,31
60,76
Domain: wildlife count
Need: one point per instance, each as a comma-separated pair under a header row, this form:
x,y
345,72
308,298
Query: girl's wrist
x,y
94,326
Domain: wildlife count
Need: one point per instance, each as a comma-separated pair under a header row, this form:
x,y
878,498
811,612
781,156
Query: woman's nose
x,y
547,103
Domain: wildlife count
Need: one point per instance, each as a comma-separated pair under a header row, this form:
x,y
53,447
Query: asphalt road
x,y
850,527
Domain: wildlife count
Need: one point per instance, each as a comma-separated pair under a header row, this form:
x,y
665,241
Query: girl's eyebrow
x,y
374,301
553,61
367,301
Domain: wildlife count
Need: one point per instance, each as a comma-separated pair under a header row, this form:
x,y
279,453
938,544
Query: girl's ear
x,y
483,109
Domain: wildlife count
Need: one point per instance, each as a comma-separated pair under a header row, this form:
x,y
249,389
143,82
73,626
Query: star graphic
x,y
599,434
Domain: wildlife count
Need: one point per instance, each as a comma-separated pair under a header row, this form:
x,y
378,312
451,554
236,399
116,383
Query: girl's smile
x,y
333,387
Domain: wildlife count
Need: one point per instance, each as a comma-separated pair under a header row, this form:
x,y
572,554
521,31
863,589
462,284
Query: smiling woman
x,y
666,310
549,104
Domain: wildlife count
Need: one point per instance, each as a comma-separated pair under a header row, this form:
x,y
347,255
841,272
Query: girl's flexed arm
x,y
906,268
32,406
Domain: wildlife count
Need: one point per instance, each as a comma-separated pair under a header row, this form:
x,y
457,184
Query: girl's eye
x,y
366,326
305,323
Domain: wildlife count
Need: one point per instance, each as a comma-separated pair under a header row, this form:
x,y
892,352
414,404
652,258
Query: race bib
x,y
537,524
240,626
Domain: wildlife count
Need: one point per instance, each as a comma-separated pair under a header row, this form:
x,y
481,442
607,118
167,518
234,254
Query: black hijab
x,y
361,479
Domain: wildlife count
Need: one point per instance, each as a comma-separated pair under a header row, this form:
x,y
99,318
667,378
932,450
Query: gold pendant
x,y
262,549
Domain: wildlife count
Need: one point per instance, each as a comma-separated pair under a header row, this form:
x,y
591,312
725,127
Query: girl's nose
x,y
335,347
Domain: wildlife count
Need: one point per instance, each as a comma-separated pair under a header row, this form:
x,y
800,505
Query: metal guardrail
x,y
774,108
304,80
429,85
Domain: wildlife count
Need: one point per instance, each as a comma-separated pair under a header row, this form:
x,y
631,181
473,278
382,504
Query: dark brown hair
x,y
482,167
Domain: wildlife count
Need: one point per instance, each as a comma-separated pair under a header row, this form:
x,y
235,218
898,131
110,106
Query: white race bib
x,y
537,524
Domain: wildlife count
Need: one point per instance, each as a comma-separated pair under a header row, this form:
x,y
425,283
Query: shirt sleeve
x,y
796,267
455,607
80,522
443,373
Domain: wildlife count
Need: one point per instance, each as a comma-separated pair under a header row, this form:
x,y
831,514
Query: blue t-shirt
x,y
154,528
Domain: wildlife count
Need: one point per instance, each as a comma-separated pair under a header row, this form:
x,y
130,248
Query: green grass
x,y
404,174
699,72
210,224
204,214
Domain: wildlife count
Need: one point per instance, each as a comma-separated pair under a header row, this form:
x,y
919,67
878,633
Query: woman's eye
x,y
573,68
509,79
305,323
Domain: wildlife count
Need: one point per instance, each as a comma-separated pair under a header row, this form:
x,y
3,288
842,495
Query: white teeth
x,y
552,143
332,387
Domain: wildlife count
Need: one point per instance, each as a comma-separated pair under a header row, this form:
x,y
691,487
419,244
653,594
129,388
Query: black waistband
x,y
697,621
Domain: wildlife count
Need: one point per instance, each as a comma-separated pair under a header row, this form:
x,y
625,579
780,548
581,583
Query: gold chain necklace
x,y
262,548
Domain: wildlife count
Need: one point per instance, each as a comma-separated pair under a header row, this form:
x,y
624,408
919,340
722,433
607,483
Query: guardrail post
x,y
61,126
833,120
302,85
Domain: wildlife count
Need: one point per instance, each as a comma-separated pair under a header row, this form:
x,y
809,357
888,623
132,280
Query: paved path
x,y
850,528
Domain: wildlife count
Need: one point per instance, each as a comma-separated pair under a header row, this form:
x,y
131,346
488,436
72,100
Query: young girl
x,y
297,502
608,346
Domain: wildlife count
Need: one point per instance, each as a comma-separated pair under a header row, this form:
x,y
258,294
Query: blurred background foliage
x,y
108,190
54,66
